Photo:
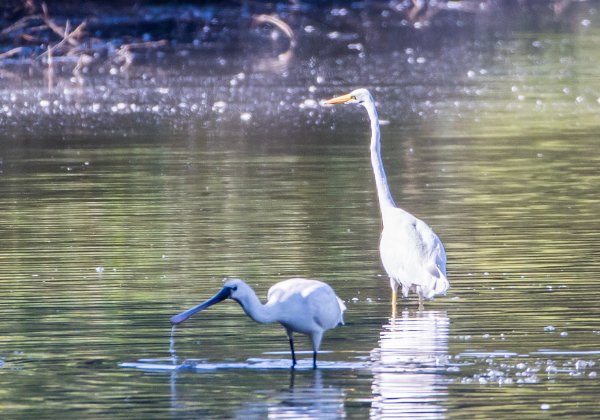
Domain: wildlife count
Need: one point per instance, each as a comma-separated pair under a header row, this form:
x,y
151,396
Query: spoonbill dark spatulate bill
x,y
309,307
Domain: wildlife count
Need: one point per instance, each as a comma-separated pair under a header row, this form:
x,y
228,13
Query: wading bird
x,y
305,306
412,254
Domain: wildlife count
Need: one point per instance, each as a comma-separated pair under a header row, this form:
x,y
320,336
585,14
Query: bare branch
x,y
10,53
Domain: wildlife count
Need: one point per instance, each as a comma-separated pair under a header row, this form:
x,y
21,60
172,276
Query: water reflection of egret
x,y
413,348
305,306
412,254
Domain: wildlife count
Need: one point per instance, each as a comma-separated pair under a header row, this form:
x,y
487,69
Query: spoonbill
x,y
309,307
412,254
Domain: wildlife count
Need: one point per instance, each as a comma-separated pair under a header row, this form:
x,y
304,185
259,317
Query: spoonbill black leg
x,y
292,348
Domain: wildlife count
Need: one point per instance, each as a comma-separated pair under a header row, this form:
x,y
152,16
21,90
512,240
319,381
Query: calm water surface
x,y
117,215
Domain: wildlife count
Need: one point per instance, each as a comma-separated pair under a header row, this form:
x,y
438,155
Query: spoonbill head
x,y
300,305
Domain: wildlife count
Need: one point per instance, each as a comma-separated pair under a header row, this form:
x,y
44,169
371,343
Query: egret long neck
x,y
383,191
256,310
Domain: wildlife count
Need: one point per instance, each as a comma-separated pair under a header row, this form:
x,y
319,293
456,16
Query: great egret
x,y
412,254
305,306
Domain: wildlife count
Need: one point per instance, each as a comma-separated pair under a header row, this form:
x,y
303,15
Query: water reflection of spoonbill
x,y
305,306
412,254
308,397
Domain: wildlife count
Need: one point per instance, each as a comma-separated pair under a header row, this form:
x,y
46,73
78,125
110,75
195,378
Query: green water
x,y
114,221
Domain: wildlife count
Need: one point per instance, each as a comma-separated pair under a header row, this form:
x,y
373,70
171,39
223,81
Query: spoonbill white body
x,y
305,306
412,254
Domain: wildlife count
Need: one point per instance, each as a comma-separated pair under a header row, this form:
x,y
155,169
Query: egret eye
x,y
353,98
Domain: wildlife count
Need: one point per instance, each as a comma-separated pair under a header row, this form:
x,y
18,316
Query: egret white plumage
x,y
412,254
305,306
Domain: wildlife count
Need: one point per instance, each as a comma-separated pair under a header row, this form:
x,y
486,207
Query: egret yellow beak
x,y
339,99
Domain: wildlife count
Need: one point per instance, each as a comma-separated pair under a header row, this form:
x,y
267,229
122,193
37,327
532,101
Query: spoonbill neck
x,y
252,306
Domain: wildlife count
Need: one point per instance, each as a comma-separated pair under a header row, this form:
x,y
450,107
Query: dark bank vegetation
x,y
79,38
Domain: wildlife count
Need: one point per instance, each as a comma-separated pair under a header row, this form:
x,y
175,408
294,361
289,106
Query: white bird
x,y
412,254
305,306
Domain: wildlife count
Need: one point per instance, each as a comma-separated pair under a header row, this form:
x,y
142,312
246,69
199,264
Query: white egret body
x,y
305,306
412,254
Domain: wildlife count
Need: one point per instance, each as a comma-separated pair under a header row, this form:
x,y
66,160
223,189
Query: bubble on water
x,y
584,364
532,379
309,103
219,106
99,269
245,116
44,103
564,334
493,373
545,407
592,374
549,328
